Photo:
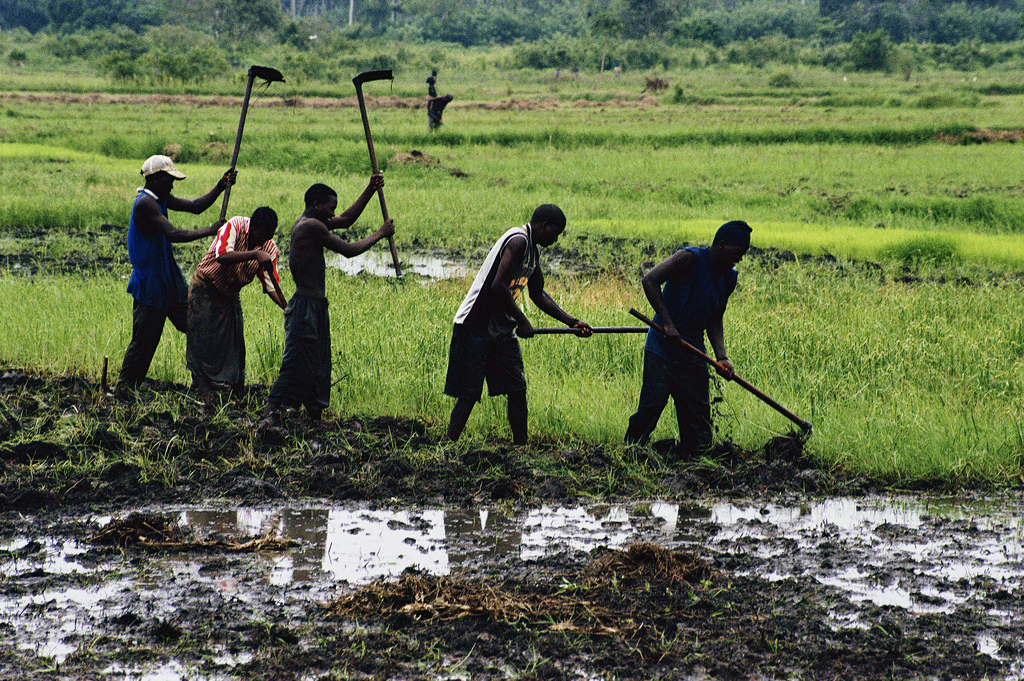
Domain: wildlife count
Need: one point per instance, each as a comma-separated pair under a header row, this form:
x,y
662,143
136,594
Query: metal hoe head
x,y
266,73
367,76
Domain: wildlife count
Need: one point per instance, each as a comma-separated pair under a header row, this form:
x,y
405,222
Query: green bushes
x,y
978,213
932,249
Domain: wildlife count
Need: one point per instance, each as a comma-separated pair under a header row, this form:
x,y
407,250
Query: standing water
x,y
923,556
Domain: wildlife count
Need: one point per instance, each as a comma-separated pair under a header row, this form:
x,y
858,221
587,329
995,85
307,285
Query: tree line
x,y
161,41
504,22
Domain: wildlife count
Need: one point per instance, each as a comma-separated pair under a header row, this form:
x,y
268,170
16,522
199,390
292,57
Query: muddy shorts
x,y
216,341
476,356
305,377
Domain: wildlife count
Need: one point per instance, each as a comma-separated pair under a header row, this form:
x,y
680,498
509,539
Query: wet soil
x,y
71,452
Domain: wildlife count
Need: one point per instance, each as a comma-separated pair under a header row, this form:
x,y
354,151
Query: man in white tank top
x,y
484,343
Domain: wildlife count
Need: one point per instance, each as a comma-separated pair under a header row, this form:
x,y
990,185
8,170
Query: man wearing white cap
x,y
156,284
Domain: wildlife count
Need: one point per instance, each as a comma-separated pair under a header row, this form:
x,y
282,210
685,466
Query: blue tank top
x,y
156,279
692,303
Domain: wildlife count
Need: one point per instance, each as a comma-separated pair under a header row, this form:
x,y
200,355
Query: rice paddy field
x,y
882,302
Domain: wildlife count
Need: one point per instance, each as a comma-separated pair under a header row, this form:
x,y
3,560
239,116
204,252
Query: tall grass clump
x,y
931,249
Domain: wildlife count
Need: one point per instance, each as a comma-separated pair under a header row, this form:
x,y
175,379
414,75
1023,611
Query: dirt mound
x,y
415,157
582,602
646,562
982,136
138,528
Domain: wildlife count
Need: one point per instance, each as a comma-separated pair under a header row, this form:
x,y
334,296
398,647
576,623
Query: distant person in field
x,y
157,286
484,344
435,105
432,84
242,249
305,377
689,292
435,111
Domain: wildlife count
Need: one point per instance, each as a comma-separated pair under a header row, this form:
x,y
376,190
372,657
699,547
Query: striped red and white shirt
x,y
229,279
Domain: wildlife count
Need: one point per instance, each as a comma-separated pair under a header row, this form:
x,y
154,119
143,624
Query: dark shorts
x,y
476,356
305,377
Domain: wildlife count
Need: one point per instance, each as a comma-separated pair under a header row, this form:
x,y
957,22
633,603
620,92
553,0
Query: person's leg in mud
x,y
147,327
517,416
467,367
506,375
459,418
693,411
655,391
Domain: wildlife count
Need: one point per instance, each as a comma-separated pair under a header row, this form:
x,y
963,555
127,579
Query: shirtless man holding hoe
x,y
305,376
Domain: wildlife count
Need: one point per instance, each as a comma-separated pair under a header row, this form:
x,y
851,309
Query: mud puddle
x,y
430,265
871,561
379,264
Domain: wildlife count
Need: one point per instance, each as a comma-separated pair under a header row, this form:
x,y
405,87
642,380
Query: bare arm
x,y
235,257
350,249
197,206
546,304
349,216
502,296
678,265
716,334
151,222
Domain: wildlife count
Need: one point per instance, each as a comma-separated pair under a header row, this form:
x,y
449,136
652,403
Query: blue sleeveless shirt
x,y
692,303
156,279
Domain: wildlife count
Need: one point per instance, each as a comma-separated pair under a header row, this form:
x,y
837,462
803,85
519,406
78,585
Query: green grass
x,y
901,379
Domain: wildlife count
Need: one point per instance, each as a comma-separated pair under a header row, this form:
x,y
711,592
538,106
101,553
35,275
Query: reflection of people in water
x,y
435,109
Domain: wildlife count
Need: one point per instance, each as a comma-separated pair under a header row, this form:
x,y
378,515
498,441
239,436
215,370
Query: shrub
x,y
782,80
931,249
870,51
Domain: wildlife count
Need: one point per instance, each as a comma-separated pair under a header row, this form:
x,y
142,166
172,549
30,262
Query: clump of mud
x,y
416,157
151,531
139,528
585,601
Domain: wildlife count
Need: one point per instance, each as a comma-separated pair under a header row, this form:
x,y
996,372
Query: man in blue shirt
x,y
688,291
157,285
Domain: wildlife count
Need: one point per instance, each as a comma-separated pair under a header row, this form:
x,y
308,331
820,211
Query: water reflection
x,y
379,263
924,556
359,545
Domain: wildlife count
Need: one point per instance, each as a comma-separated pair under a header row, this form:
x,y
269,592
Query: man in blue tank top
x,y
688,292
157,285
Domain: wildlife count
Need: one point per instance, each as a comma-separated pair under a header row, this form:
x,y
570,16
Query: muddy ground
x,y
71,452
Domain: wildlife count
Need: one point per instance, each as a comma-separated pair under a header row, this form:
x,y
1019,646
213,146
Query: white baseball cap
x,y
158,163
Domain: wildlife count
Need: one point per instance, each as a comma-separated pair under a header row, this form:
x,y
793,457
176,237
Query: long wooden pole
x,y
358,81
804,425
238,141
595,329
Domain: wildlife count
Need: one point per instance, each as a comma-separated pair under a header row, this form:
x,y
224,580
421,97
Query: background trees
x,y
128,39
481,22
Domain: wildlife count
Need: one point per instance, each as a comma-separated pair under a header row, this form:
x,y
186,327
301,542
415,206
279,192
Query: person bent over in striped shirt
x,y
242,249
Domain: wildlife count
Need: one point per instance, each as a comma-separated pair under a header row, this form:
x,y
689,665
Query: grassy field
x,y
910,369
